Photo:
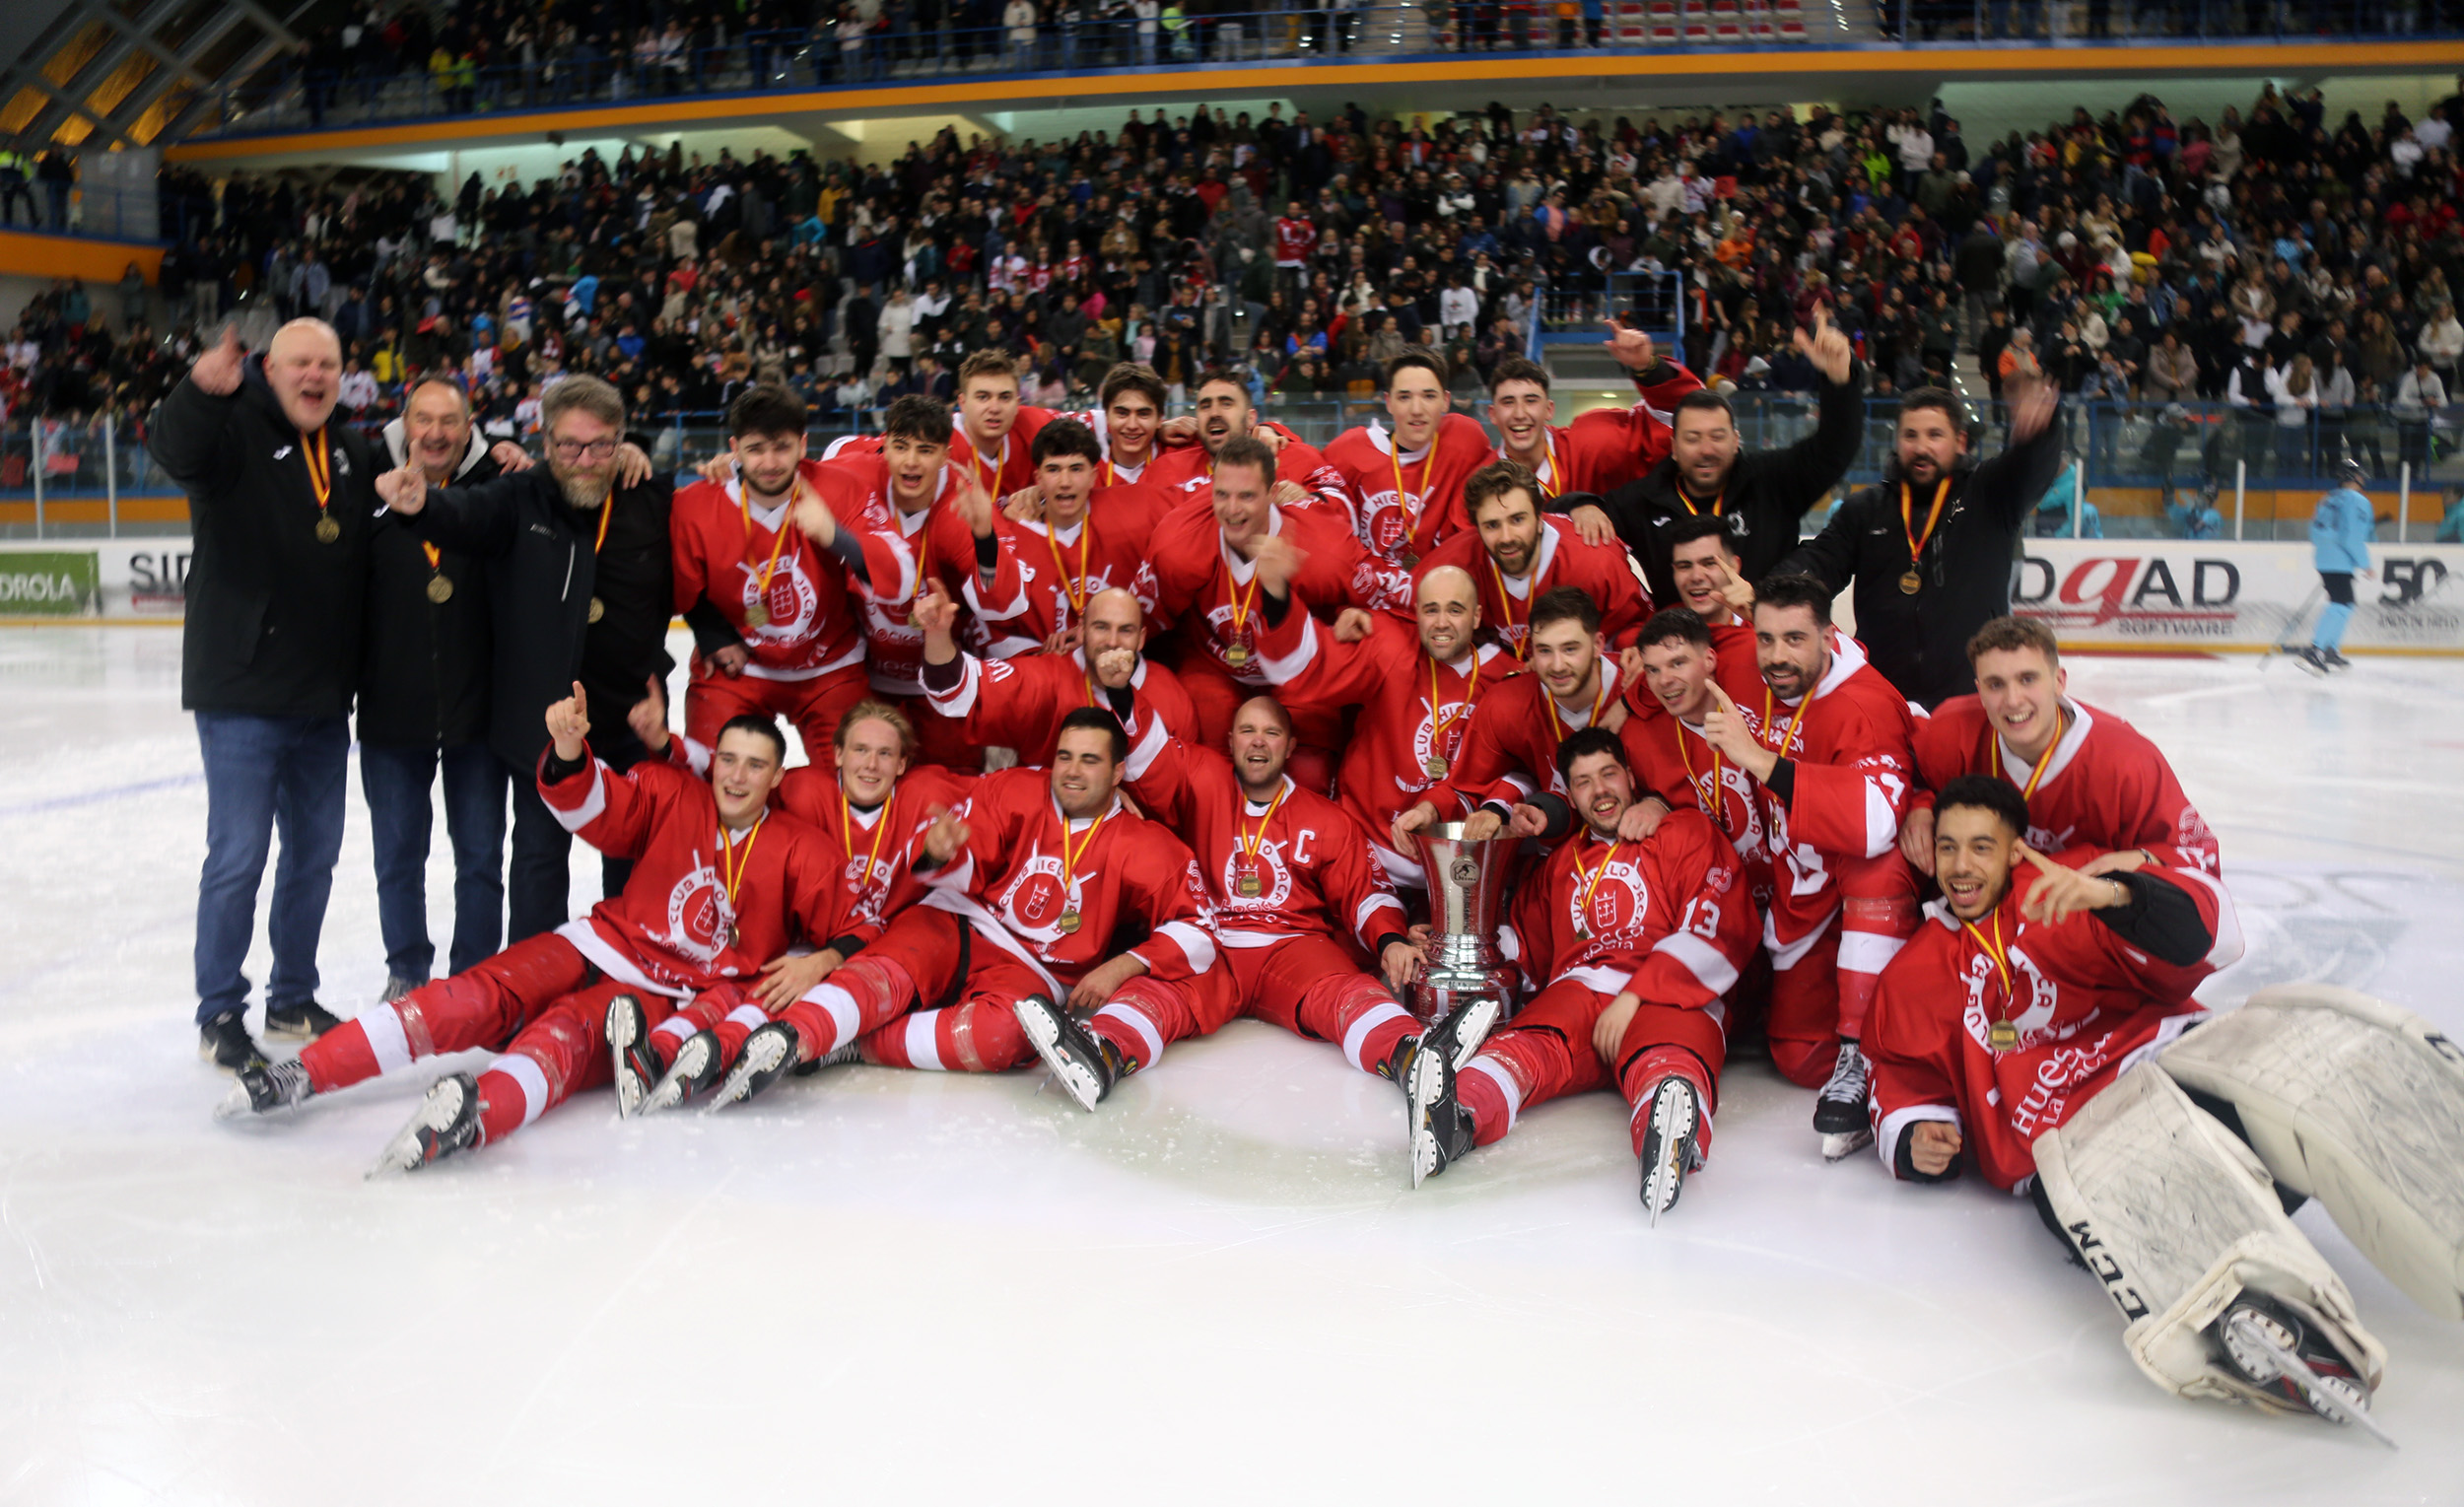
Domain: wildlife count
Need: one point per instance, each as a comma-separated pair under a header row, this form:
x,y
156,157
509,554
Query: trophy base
x,y
1433,999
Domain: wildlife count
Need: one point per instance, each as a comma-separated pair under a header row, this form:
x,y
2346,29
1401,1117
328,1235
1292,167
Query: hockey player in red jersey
x,y
1415,688
867,805
1514,553
1020,702
1510,750
1305,483
1298,901
988,437
790,642
1208,586
1601,451
1675,764
1081,539
1406,475
1827,742
719,885
2041,1026
1043,868
1632,946
2089,778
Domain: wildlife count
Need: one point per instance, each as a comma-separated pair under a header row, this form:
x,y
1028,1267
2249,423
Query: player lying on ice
x,y
721,885
2039,1025
1634,945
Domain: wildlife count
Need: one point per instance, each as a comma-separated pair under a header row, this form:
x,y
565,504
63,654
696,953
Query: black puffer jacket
x,y
424,670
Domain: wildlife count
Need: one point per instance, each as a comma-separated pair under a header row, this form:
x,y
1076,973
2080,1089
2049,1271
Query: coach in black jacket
x,y
1763,494
1917,608
580,588
280,495
423,686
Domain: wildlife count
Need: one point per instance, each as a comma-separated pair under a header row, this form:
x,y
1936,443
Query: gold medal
x,y
2002,1036
1435,768
1236,655
1248,884
1068,921
327,531
440,590
756,613
598,609
734,937
1911,583
1411,559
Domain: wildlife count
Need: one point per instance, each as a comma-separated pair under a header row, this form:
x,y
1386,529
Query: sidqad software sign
x,y
2216,595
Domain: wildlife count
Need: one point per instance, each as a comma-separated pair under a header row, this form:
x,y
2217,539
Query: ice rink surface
x,y
875,1286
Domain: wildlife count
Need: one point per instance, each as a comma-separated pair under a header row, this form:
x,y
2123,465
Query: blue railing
x,y
288,95
1651,302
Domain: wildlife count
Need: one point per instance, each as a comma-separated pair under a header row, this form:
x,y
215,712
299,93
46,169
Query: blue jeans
x,y
265,774
396,783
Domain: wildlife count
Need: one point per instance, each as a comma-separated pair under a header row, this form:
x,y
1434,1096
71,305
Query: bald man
x,y
280,497
1020,701
1415,688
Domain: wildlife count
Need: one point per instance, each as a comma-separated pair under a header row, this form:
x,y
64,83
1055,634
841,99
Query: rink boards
x,y
2096,594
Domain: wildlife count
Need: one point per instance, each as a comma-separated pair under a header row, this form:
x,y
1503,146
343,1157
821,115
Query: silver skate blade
x,y
235,1105
401,1154
1419,1090
1044,1034
759,1057
1842,1146
2322,1398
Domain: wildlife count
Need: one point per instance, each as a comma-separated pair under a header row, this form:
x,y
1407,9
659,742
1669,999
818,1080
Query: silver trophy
x,y
1467,886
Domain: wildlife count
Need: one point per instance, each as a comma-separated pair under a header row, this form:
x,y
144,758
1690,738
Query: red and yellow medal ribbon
x,y
1997,950
1505,609
735,857
1718,808
1599,701
1069,856
847,833
1907,523
1403,499
2044,761
1793,723
777,540
1247,842
1073,587
1591,883
1437,707
319,460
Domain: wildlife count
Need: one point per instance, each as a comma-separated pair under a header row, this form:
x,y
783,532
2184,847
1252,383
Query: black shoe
x,y
696,1067
225,1042
628,1033
301,1022
1086,1064
1840,1117
2335,660
445,1123
769,1054
264,1087
2309,659
1441,1127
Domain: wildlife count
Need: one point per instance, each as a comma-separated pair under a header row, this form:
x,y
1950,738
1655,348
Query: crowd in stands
x,y
2296,268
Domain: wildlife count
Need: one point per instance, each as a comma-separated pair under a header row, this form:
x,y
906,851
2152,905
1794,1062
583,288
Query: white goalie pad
x,y
2357,1103
2178,1218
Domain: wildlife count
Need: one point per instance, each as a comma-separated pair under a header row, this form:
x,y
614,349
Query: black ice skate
x,y
1839,1112
225,1042
1671,1130
301,1022
264,1087
445,1122
769,1054
1086,1064
692,1074
2311,659
628,1032
2273,1349
1441,1127
1458,1034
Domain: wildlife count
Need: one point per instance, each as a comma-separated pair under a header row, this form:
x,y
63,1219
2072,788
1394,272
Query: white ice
x,y
884,1286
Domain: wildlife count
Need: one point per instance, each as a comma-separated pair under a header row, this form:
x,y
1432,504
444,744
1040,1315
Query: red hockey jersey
x,y
1186,473
1510,750
699,909
1604,572
1414,712
740,557
1061,913
1211,594
859,492
1061,568
1665,917
1405,506
1020,702
2087,1006
1849,742
1291,865
1005,471
2105,785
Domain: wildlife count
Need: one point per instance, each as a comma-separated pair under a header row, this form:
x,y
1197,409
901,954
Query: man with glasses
x,y
580,588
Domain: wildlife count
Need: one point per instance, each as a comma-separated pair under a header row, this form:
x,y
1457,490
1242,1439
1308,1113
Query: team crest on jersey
x,y
1614,905
1383,525
1034,901
1984,1006
1429,742
2191,836
868,898
698,914
1274,879
788,606
1736,795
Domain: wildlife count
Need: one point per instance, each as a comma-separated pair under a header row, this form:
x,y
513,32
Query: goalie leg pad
x,y
2357,1103
2177,1219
